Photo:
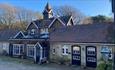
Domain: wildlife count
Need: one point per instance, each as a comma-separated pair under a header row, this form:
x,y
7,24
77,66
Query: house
x,y
57,38
5,35
82,44
34,43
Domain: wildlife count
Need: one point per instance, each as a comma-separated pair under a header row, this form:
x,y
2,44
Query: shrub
x,y
101,66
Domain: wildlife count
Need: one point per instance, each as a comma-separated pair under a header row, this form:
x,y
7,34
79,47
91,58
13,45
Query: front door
x,y
76,55
38,54
91,56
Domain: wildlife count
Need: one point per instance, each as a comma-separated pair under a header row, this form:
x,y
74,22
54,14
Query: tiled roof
x,y
46,22
6,34
83,33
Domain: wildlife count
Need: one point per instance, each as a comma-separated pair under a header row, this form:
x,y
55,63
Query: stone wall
x,y
58,51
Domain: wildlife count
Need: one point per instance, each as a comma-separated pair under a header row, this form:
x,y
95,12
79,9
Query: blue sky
x,y
88,7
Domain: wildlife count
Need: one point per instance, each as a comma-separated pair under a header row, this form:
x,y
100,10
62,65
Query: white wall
x,y
4,46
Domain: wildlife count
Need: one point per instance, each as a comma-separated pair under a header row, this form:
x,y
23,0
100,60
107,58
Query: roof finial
x,y
47,13
48,7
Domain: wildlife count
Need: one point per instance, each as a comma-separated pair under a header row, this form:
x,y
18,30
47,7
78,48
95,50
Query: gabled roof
x,y
32,23
65,19
20,34
55,20
47,22
6,34
83,33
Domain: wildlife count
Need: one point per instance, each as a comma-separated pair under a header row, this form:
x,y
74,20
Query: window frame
x,y
65,50
44,31
53,50
33,31
30,47
17,46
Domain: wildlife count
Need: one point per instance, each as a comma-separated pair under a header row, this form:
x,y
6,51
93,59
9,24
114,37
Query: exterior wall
x,y
58,54
4,47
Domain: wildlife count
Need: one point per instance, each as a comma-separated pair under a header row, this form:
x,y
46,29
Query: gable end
x,y
54,23
18,34
31,24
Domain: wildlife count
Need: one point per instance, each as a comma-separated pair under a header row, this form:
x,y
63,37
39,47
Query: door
x,y
76,55
38,54
91,56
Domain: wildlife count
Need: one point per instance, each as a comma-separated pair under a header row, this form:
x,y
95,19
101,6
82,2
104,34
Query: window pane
x,y
30,51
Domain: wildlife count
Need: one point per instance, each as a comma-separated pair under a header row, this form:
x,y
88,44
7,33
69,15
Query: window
x,y
33,31
30,50
91,59
44,31
76,57
91,51
76,50
53,51
17,49
64,50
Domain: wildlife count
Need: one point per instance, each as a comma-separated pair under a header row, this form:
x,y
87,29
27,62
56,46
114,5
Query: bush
x,y
101,66
63,59
105,66
109,66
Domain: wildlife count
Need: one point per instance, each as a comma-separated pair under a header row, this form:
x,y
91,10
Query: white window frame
x,y
32,47
33,31
17,46
65,50
53,50
91,50
44,31
76,50
91,59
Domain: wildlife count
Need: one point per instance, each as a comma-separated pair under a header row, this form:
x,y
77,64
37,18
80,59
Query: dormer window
x,y
33,31
44,31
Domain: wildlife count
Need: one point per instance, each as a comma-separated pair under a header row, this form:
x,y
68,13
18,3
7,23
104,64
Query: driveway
x,y
13,65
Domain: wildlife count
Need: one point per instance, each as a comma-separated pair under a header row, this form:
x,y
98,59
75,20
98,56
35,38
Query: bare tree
x,y
10,16
68,10
25,16
7,14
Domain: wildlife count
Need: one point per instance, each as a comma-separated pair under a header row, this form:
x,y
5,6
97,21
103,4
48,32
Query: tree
x,y
7,14
101,19
68,10
10,16
25,16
